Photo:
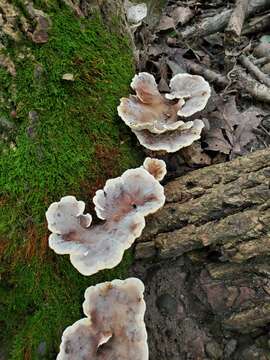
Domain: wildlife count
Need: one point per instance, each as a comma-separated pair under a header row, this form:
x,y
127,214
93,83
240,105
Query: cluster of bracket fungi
x,y
114,324
158,120
114,327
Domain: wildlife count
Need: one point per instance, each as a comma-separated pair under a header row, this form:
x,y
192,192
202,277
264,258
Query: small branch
x,y
246,82
207,26
216,207
210,75
256,25
234,28
261,61
218,22
253,69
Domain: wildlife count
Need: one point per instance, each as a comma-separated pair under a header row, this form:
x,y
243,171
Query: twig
x,y
261,61
265,131
253,69
218,22
246,82
256,25
237,18
210,75
231,79
207,26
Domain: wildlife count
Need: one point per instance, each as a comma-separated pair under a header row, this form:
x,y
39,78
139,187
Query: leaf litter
x,y
191,36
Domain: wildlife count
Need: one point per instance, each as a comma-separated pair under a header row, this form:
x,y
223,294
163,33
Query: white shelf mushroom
x,y
155,167
114,327
174,140
156,119
193,89
149,110
123,203
135,12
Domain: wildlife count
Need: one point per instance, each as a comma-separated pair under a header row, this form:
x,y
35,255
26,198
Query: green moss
x,y
73,145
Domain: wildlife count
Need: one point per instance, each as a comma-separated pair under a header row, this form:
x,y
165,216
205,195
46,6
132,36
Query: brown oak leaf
x,y
231,130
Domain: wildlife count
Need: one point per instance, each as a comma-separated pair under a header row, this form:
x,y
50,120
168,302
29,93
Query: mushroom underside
x,y
171,141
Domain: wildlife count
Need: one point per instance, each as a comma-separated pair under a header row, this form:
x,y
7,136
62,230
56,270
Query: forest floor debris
x,y
218,44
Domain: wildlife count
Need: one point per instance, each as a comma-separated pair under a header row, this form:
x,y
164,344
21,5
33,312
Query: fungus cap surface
x,y
155,167
114,327
123,203
149,110
135,13
193,89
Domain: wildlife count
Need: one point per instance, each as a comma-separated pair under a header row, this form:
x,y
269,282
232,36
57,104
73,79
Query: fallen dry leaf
x,y
230,130
159,49
216,141
166,23
181,15
163,72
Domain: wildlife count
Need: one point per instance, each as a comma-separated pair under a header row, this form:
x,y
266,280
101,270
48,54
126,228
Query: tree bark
x,y
225,207
112,12
208,282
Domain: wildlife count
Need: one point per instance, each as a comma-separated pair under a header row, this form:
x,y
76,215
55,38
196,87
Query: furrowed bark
x,y
225,207
210,247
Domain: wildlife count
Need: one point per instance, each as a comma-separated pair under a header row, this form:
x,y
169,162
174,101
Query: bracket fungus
x,y
156,119
114,327
193,90
171,141
135,12
123,204
149,110
155,167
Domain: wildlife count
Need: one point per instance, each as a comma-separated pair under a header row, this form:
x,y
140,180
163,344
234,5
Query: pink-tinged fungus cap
x,y
145,86
114,327
193,89
156,119
149,110
171,141
65,214
123,203
155,167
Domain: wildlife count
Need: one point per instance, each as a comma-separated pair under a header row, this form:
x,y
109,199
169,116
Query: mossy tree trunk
x,y
58,137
